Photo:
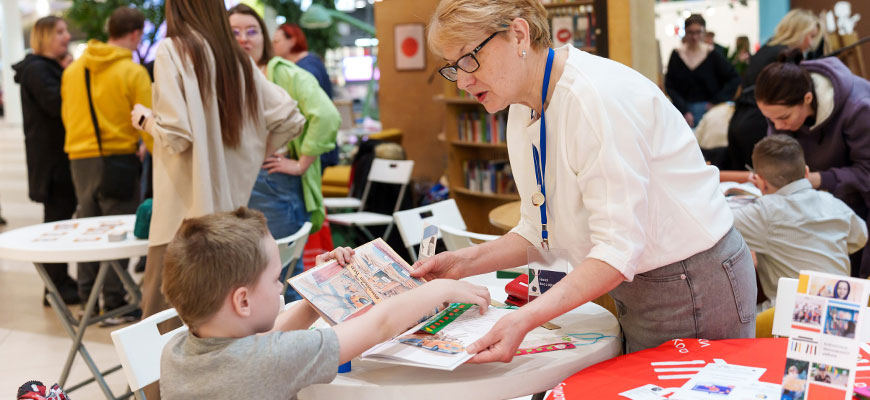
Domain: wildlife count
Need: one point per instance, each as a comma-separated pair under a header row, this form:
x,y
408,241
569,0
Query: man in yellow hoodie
x,y
116,84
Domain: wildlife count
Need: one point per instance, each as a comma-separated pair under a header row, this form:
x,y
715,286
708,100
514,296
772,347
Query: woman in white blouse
x,y
625,191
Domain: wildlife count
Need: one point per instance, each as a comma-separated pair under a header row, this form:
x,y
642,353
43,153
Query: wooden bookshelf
x,y
495,196
465,143
455,99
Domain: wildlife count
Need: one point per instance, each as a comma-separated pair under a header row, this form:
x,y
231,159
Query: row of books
x,y
481,127
489,177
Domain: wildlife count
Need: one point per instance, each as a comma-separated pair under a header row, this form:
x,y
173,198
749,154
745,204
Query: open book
x,y
338,294
440,341
376,273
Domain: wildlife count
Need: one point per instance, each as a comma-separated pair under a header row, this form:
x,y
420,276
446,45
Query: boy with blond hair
x,y
793,226
221,273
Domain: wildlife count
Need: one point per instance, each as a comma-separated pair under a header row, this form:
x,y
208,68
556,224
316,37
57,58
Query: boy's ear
x,y
807,172
239,299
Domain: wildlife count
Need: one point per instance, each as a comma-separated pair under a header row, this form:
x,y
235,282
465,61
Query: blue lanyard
x,y
541,161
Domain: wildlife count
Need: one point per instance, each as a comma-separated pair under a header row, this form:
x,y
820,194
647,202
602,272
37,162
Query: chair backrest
x,y
410,222
397,172
782,316
455,239
290,249
139,347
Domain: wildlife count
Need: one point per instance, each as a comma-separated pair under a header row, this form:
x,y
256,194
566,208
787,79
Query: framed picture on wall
x,y
410,47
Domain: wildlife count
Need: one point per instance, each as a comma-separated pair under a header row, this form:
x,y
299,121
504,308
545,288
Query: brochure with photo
x,y
340,293
822,350
444,349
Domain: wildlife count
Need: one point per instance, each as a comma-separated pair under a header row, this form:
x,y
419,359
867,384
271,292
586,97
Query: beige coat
x,y
194,173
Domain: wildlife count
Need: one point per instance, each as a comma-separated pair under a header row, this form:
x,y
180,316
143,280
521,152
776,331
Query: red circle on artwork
x,y
563,35
410,47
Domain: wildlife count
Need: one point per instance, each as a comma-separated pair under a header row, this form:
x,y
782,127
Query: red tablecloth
x,y
674,362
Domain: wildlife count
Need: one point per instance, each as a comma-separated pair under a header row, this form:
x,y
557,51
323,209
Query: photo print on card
x,y
794,382
833,288
808,310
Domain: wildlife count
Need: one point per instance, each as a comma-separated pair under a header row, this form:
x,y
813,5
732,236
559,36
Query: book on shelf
x,y
489,176
481,127
376,273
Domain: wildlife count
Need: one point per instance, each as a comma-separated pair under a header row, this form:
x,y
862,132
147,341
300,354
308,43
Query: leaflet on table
x,y
339,293
430,239
822,350
546,268
442,350
721,381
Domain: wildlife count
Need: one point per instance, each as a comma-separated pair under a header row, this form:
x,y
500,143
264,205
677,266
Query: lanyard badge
x,y
539,198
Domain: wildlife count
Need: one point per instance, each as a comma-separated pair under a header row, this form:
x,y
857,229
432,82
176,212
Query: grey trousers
x,y
710,295
87,174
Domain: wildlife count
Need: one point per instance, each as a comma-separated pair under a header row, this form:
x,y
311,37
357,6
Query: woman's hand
x,y
278,163
139,116
343,255
501,342
444,265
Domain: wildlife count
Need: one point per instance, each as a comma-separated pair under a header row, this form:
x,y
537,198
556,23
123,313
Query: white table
x,y
79,240
525,375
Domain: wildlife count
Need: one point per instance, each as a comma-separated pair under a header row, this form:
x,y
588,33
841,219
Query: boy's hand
x,y
343,255
454,291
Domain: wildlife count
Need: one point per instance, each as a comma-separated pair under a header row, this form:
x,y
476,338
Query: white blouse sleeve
x,y
612,165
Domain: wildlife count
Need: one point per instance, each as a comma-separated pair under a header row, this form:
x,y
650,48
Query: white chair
x,y
455,239
139,347
782,315
410,222
335,203
291,249
397,172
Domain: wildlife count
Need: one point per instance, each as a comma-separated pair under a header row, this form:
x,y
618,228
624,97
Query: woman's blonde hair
x,y
794,27
455,21
42,34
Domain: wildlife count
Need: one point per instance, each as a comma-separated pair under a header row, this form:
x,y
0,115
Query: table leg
x,y
539,396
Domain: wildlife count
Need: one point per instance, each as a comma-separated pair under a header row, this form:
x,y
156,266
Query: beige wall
x,y
406,96
631,35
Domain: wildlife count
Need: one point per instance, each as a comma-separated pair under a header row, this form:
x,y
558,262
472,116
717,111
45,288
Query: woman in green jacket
x,y
287,190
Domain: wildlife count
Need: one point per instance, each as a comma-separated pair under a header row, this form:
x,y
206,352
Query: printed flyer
x,y
822,350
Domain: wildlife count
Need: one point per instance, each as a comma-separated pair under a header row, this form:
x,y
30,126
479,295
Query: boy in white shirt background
x,y
794,227
222,275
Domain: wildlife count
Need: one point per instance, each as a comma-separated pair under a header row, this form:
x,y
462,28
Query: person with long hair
x,y
48,169
799,29
611,180
289,42
827,109
215,120
698,76
288,187
740,57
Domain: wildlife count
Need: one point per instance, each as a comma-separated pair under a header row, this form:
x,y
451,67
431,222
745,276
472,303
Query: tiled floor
x,y
33,344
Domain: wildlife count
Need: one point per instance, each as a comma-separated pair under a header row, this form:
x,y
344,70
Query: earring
x,y
524,54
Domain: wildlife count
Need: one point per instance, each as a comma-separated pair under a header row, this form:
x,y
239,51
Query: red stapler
x,y
518,291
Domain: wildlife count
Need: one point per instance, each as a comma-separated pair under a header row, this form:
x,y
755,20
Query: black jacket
x,y
44,134
715,80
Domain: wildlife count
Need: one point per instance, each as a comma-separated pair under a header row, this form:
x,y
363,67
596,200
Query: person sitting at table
x,y
827,109
608,172
221,273
793,227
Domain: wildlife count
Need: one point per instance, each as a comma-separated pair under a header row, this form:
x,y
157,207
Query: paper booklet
x,y
340,293
440,341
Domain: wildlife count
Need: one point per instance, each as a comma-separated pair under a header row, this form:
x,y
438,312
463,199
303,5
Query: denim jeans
x,y
698,109
710,295
279,197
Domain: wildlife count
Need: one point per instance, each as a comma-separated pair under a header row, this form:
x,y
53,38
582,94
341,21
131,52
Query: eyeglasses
x,y
250,32
467,63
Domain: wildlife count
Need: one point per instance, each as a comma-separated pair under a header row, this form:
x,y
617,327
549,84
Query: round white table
x,y
79,240
524,375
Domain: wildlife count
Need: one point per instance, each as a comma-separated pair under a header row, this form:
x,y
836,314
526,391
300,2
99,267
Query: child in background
x,y
793,226
221,274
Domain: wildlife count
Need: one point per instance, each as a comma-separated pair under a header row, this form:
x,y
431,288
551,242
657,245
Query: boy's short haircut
x,y
124,20
779,159
209,257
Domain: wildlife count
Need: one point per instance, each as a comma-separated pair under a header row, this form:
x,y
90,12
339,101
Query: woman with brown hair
x,y
288,187
48,172
215,120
